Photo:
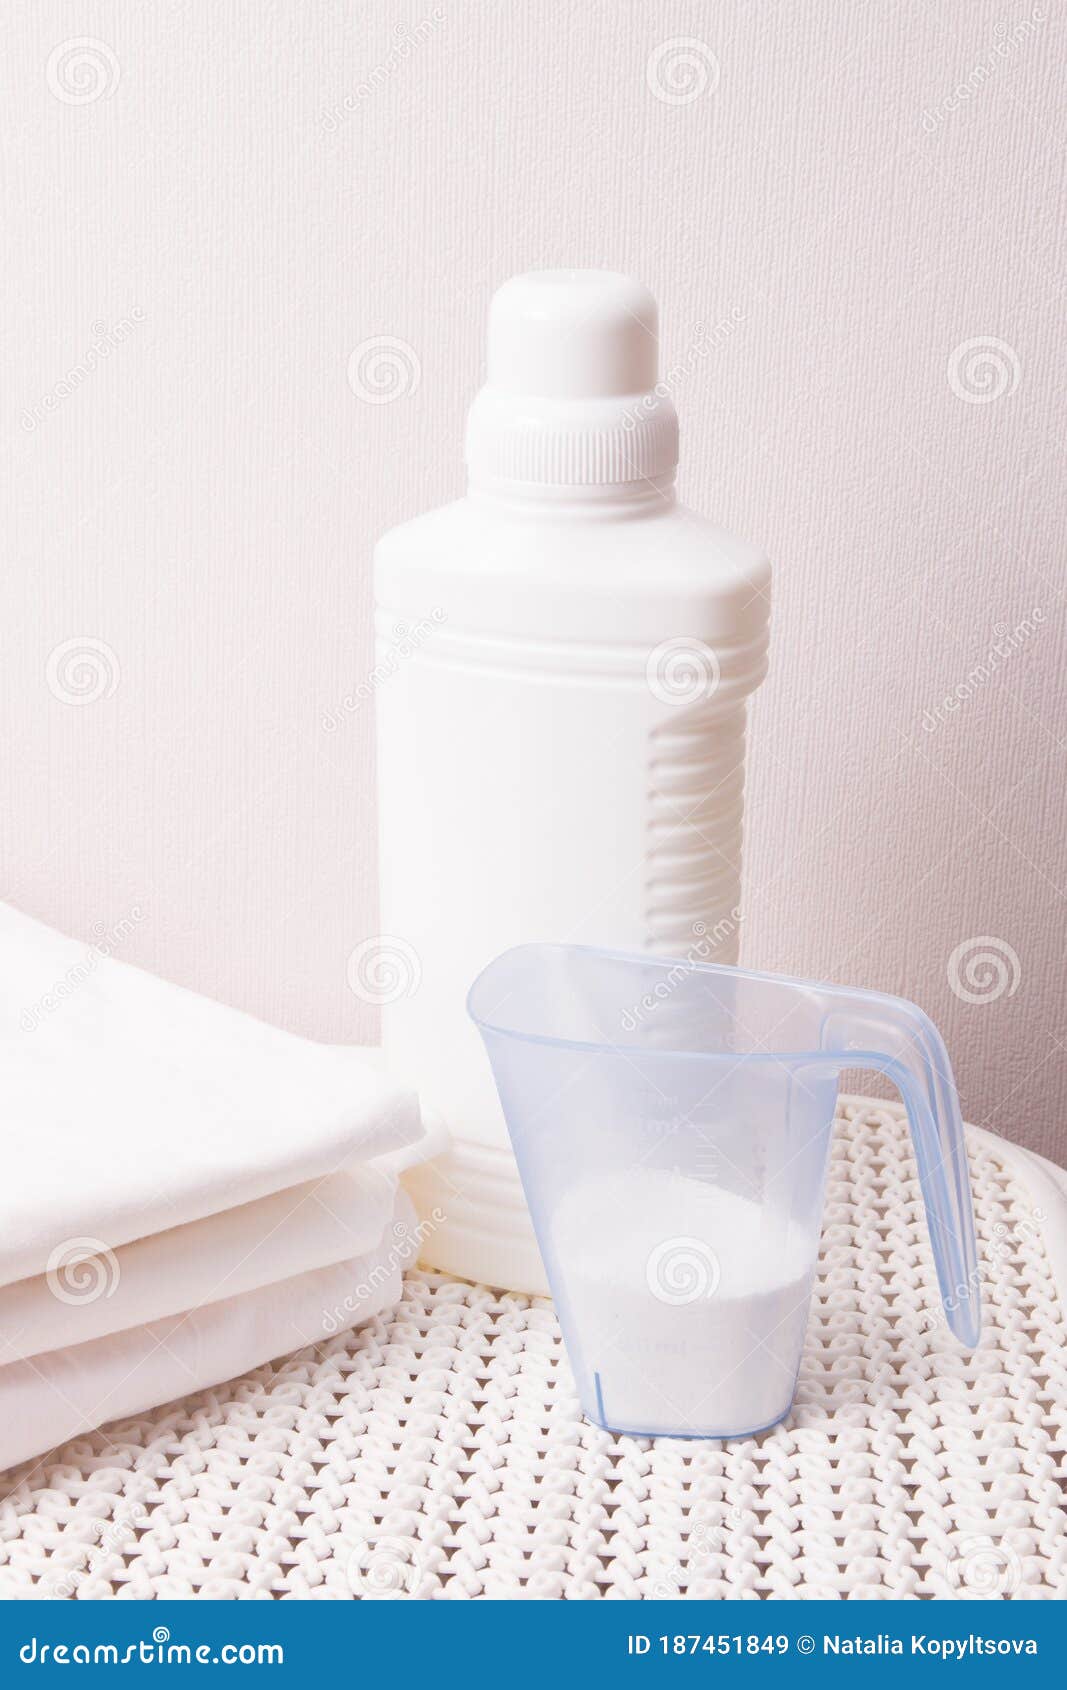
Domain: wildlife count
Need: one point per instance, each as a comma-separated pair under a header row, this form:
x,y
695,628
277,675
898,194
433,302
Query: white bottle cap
x,y
571,392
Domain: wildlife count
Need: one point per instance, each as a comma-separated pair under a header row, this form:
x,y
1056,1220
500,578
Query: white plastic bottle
x,y
561,725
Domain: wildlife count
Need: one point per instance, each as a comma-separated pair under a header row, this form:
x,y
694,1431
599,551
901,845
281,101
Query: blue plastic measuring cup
x,y
672,1124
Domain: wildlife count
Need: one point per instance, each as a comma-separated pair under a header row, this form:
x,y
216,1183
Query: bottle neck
x,y
624,499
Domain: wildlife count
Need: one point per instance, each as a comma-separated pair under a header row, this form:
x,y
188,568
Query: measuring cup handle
x,y
896,1038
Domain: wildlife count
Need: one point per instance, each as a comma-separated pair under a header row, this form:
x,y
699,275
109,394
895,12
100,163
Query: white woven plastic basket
x,y
439,1451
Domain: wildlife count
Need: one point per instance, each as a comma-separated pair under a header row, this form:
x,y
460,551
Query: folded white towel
x,y
51,1398
186,1191
130,1105
90,1294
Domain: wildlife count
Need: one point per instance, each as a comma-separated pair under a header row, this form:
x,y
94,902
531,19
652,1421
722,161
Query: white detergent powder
x,y
684,1305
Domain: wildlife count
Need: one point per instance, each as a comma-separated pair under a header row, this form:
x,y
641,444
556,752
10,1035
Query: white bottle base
x,y
475,1223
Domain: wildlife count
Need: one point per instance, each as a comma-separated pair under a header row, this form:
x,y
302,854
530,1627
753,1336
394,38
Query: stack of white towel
x,y
187,1194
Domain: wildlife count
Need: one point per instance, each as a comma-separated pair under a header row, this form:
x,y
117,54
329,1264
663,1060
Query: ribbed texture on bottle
x,y
696,785
635,443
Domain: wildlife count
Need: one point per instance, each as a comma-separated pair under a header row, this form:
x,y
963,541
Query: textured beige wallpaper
x,y
854,219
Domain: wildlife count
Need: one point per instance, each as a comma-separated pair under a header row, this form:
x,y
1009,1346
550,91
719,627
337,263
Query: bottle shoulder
x,y
666,571
475,537
432,533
